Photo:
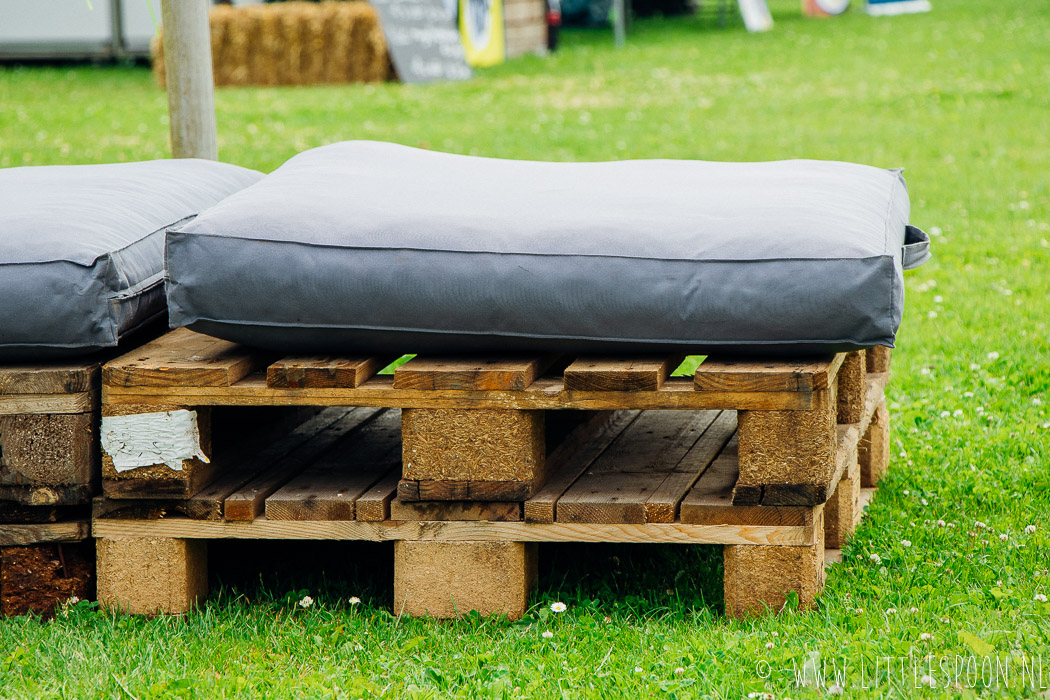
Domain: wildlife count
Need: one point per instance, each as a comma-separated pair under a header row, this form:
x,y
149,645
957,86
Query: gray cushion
x,y
82,248
374,247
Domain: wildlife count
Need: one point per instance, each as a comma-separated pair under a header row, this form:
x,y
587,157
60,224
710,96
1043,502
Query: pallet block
x,y
759,578
450,579
152,575
874,449
852,383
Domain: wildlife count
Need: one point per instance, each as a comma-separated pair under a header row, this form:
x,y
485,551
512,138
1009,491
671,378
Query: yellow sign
x,y
481,30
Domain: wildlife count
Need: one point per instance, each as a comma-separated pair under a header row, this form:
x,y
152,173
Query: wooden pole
x,y
187,59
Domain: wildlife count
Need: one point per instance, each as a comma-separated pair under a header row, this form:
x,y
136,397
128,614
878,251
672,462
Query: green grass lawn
x,y
960,96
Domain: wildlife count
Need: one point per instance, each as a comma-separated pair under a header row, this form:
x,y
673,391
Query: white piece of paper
x,y
146,439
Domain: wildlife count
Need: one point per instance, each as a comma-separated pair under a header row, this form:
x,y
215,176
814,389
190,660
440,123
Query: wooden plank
x,y
49,451
500,511
42,533
374,504
833,555
464,490
617,485
279,466
147,576
464,531
323,372
663,504
620,373
12,512
726,374
328,488
677,393
81,402
58,496
58,377
183,358
877,359
566,465
484,373
852,387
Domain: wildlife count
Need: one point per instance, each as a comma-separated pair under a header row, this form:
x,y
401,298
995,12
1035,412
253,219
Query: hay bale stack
x,y
293,43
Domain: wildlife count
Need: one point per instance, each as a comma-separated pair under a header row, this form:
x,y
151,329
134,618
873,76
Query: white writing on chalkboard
x,y
424,43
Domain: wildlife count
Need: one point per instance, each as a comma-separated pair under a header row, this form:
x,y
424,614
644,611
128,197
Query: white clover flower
x,y
951,525
957,412
306,602
928,680
1046,425
835,689
980,525
1004,537
859,611
354,600
891,611
679,671
907,492
906,543
559,607
1029,529
1037,401
637,669
974,366
946,414
875,558
73,600
980,409
770,645
926,370
914,610
941,523
993,355
968,394
925,636
774,633
924,501
547,634
930,314
1039,598
935,231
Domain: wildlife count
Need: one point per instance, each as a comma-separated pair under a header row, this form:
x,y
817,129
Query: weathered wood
x,y
852,388
746,376
15,511
374,504
498,511
787,457
677,393
39,578
150,575
41,533
183,358
484,373
14,404
473,446
663,505
833,555
710,501
464,490
59,377
617,485
758,579
188,72
278,466
567,466
874,450
49,451
842,511
620,373
878,358
387,531
160,480
323,372
329,486
449,579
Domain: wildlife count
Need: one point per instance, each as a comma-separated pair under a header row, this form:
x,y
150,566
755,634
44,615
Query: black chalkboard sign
x,y
423,41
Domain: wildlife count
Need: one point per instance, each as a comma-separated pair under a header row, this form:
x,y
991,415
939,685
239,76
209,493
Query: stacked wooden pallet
x,y
48,474
467,463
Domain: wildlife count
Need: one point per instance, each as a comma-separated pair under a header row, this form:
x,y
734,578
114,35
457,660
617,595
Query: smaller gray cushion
x,y
82,248
374,247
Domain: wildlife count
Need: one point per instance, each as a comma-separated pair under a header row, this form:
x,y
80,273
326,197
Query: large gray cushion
x,y
82,248
374,247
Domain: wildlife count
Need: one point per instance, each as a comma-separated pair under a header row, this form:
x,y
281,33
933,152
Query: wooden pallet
x,y
43,565
476,428
614,476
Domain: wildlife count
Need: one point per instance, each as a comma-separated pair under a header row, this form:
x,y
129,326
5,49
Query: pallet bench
x,y
49,471
466,463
